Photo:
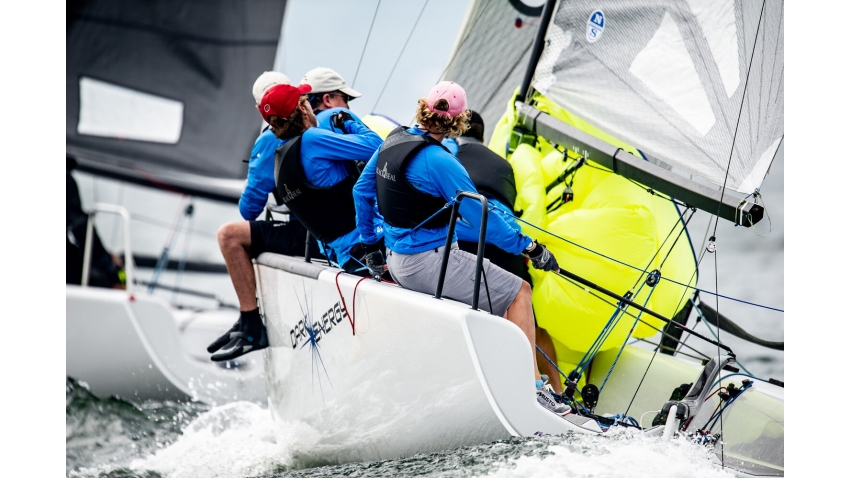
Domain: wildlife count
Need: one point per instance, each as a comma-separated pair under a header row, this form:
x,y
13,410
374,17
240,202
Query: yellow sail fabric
x,y
609,215
379,124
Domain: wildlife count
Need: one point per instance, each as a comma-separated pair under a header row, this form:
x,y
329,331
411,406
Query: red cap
x,y
281,100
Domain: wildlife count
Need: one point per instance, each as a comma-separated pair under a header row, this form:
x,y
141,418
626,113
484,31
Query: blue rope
x,y
611,369
638,268
708,326
723,409
550,361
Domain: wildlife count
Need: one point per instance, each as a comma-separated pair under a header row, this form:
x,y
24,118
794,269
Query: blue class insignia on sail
x,y
595,25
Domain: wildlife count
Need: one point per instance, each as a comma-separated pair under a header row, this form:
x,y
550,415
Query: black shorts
x,y
280,238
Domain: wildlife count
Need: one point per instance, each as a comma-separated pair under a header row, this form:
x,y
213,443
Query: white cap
x,y
325,80
266,81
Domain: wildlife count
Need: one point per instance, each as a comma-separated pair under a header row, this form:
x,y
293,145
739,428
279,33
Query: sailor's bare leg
x,y
520,313
544,341
234,239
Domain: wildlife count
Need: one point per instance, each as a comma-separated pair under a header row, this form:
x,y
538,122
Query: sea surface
x,y
114,438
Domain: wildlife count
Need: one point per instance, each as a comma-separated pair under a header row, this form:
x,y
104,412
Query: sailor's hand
x,y
376,265
339,120
542,259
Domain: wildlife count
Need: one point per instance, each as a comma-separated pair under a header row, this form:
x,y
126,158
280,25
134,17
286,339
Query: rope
x,y
368,36
353,299
613,364
638,268
399,56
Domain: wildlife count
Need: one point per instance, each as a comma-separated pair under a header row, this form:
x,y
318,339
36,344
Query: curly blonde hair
x,y
437,123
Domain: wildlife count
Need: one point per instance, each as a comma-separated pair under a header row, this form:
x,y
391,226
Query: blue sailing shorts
x,y
421,271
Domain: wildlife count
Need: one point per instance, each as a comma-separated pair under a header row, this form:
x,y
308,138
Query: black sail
x,y
159,92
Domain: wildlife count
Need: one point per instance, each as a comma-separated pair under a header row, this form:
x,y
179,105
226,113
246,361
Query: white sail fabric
x,y
697,84
491,56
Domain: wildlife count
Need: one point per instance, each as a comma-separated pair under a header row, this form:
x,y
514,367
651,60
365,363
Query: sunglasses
x,y
316,99
277,123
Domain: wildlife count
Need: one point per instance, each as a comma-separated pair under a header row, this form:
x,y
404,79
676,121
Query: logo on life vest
x,y
595,25
385,174
290,195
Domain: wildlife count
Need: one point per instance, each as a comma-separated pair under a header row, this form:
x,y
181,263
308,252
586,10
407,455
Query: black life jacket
x,y
491,174
399,202
327,212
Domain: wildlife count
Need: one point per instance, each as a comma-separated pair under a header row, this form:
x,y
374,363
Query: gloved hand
x,y
542,259
375,263
338,120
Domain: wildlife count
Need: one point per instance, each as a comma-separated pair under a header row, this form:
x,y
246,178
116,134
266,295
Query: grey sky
x,y
332,33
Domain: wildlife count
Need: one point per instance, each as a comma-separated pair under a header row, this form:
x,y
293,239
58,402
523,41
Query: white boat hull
x,y
417,375
138,347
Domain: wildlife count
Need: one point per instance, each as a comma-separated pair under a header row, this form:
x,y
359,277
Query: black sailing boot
x,y
247,335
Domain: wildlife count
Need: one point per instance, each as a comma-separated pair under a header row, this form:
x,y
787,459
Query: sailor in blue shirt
x,y
319,170
493,176
413,177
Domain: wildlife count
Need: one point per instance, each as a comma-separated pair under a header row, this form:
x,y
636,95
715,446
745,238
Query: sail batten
x,y
696,83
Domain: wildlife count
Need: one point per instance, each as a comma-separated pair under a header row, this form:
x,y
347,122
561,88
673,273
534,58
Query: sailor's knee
x,y
230,235
525,290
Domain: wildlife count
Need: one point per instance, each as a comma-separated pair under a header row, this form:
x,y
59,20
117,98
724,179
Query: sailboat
x,y
158,96
628,118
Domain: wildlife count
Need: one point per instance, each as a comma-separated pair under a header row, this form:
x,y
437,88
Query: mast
x,y
537,48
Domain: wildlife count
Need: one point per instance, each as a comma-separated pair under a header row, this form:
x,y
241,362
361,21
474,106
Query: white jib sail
x,y
696,83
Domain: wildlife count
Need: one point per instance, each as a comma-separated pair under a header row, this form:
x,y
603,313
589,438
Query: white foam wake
x,y
233,440
624,452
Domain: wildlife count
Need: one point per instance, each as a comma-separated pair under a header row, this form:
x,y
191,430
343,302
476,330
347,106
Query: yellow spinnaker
x,y
609,215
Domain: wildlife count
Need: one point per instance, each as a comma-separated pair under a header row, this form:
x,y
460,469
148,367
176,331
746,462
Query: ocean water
x,y
112,438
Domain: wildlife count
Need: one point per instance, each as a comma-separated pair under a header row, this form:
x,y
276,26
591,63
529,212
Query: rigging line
x,y
679,236
626,312
657,345
641,382
462,42
738,124
637,268
409,35
564,274
723,192
365,45
622,347
708,326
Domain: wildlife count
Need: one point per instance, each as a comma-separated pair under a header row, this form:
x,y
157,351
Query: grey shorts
x,y
420,272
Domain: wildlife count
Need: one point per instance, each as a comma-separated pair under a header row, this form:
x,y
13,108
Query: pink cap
x,y
451,92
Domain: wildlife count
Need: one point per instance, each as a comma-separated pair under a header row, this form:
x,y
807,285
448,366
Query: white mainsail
x,y
697,84
491,56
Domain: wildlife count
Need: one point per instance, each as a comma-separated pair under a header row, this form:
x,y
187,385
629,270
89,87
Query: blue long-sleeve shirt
x,y
260,176
467,232
261,166
323,156
438,173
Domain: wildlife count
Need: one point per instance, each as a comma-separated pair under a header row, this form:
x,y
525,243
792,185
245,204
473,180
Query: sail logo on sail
x,y
595,25
385,174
